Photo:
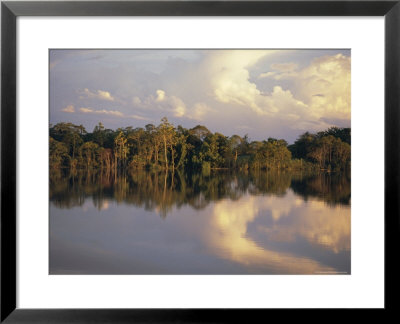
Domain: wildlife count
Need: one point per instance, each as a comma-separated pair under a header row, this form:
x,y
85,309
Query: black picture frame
x,y
10,10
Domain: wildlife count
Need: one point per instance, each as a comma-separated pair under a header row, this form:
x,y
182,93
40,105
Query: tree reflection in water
x,y
164,190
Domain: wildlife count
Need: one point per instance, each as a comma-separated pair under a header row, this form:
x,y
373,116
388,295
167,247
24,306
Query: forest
x,y
166,147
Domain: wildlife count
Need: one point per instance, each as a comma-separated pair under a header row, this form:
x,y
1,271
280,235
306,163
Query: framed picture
x,y
172,161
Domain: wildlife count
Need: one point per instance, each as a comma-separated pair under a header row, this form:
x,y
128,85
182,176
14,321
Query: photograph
x,y
199,161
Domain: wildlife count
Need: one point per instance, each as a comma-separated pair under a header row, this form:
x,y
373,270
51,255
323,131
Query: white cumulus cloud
x,y
317,92
101,112
161,102
98,94
324,86
69,109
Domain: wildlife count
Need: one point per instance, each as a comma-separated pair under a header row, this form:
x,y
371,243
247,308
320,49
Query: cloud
x,y
98,94
279,70
229,77
136,101
86,110
160,95
321,89
314,222
161,102
199,111
266,74
69,109
291,219
324,86
337,121
139,117
101,112
166,104
284,67
224,80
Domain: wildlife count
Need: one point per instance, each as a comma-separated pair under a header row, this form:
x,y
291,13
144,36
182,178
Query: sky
x,y
261,93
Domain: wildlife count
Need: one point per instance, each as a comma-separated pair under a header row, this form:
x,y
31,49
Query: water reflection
x,y
249,232
218,223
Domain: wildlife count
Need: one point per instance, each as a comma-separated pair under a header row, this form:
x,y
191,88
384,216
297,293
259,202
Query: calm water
x,y
218,223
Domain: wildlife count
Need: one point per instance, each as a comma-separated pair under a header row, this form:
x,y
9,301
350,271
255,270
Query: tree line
x,y
166,147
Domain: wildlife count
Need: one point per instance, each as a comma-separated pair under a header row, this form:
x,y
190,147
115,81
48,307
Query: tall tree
x,y
167,133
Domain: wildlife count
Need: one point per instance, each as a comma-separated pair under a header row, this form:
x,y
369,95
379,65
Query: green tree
x,y
58,154
167,133
120,150
89,153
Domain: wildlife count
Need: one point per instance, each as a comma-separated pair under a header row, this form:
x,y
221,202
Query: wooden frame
x,y
11,10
